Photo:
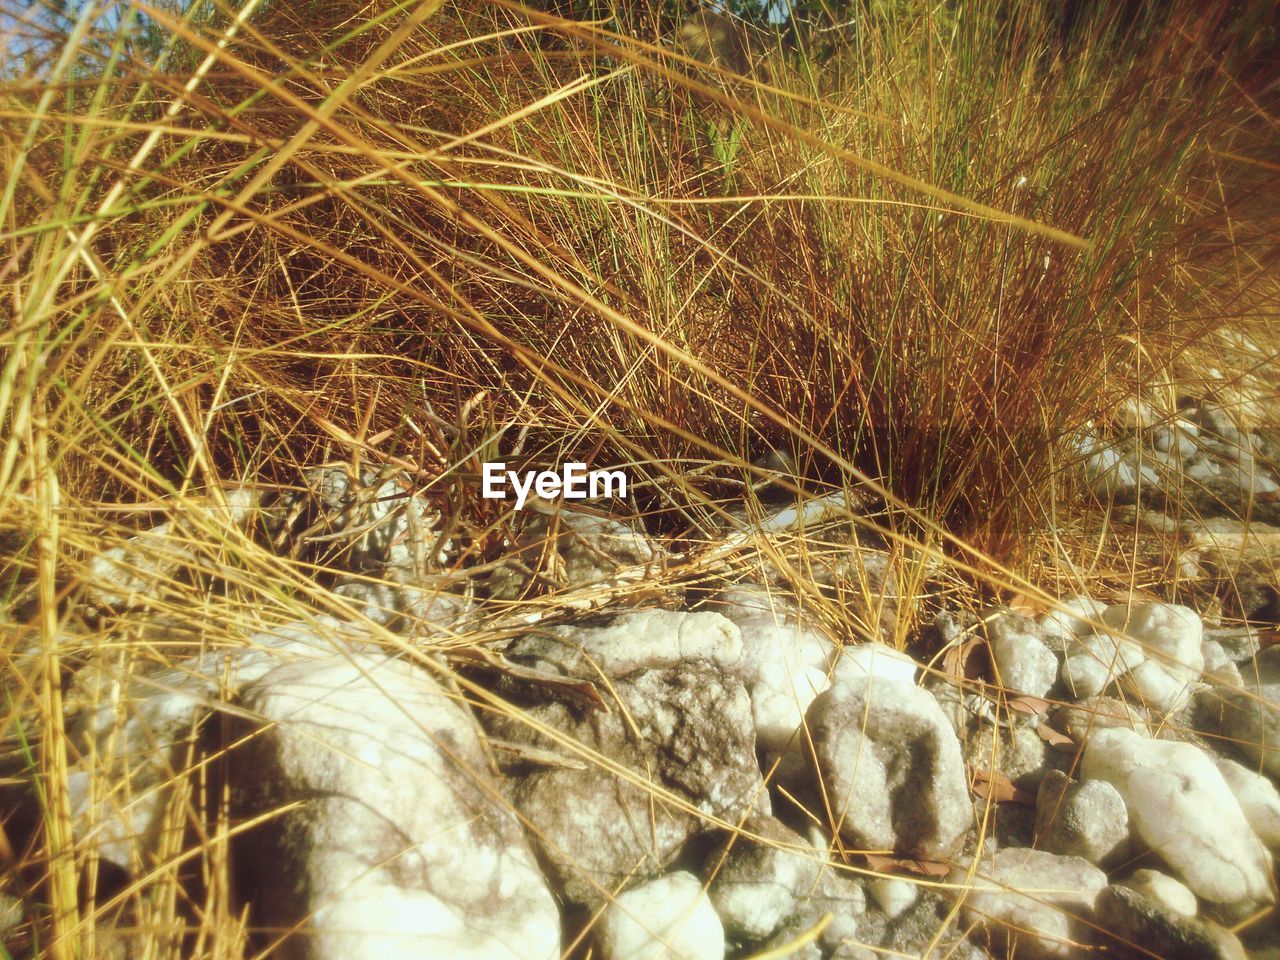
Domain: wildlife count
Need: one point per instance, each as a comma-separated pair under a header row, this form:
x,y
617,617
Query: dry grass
x,y
243,241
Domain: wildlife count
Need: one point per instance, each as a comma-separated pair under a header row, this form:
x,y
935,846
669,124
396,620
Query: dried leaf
x,y
997,787
1054,738
882,863
955,662
1031,706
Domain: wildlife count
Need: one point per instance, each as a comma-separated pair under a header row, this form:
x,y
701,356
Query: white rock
x,y
1258,798
1168,633
1164,890
1134,413
893,895
397,846
1072,617
1111,470
1086,819
859,661
784,661
779,698
670,918
1023,663
1215,655
891,767
1039,901
1158,689
1178,438
642,640
1181,807
1094,661
754,885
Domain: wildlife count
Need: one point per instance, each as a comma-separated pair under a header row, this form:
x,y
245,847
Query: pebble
x,y
669,918
754,886
1158,689
1086,819
396,844
1169,633
1092,662
1164,890
1073,616
1033,904
893,895
1132,926
1024,663
1258,798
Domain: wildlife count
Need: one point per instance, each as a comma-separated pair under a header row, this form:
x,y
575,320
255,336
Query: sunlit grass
x,y
239,241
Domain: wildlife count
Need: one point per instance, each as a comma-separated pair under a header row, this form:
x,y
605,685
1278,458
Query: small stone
x,y
1162,889
1086,819
1170,634
891,767
1132,926
632,642
1092,662
682,734
784,662
1237,643
1178,438
1073,616
1158,689
859,661
754,886
1024,664
1033,904
1181,807
893,895
670,918
1247,719
1258,798
1215,655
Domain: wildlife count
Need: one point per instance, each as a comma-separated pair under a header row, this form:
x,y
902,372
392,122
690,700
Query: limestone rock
x,y
785,661
1159,690
1168,633
1072,617
668,918
1258,798
398,846
858,661
1133,926
1092,662
891,766
1032,902
632,642
1086,819
1181,807
893,895
1024,664
1247,719
754,886
672,739
1163,890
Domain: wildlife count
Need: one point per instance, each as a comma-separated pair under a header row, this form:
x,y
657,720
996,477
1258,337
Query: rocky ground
x,y
712,772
